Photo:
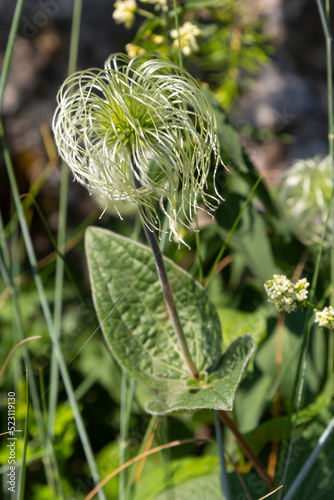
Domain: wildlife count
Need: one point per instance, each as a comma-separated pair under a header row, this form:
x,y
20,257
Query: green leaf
x,y
133,315
266,356
147,25
237,323
208,487
274,429
202,488
218,392
180,471
319,483
252,402
250,238
231,150
235,157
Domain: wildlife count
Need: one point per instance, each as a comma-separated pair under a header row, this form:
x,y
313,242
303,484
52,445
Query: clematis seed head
x,y
144,117
304,197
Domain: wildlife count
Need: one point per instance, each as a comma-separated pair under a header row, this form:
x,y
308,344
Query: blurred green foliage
x,y
231,48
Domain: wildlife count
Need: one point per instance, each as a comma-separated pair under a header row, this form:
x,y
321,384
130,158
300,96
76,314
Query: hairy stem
x,y
166,289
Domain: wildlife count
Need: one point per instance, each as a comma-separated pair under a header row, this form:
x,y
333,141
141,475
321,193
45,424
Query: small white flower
x,y
284,294
134,50
188,33
125,12
301,291
158,39
325,317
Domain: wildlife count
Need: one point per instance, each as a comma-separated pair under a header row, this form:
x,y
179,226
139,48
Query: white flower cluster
x,y
187,33
125,12
325,317
284,294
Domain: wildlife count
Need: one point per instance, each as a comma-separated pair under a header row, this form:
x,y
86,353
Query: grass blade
x,y
10,354
22,476
9,50
48,318
60,265
310,461
49,458
226,242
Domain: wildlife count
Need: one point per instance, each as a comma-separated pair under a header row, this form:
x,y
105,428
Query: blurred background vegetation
x,y
263,66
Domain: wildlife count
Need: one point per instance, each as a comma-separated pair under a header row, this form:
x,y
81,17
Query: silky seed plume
x,y
147,117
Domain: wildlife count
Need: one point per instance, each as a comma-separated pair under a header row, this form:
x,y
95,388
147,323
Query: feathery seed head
x,y
145,117
304,196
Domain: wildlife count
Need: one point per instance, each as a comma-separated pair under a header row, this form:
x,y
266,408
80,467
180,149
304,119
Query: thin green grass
x,y
310,461
23,468
48,317
49,459
9,271
123,434
62,218
128,387
302,362
28,243
299,381
301,371
3,244
230,234
131,483
29,199
9,50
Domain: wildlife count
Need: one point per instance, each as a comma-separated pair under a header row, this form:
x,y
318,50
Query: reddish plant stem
x,y
247,449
